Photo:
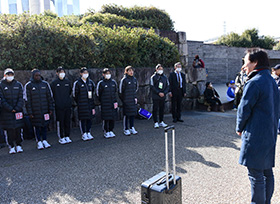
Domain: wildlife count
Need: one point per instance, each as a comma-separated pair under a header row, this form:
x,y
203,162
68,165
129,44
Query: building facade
x,y
61,7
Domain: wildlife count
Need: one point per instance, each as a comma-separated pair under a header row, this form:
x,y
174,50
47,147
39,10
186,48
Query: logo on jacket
x,y
33,88
58,85
106,86
82,85
6,88
129,82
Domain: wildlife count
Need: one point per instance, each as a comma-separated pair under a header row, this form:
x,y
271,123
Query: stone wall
x,y
222,62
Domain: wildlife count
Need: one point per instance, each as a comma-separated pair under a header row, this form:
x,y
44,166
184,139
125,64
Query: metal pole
x,y
174,162
166,159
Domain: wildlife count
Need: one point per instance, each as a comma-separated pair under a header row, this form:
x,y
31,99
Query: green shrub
x,y
147,16
45,42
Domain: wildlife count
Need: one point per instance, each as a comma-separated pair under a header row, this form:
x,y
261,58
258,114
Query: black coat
x,y
210,94
11,94
81,94
106,92
174,85
39,101
127,93
159,84
62,91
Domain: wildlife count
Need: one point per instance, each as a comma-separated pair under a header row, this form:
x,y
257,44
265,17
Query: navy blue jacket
x,y
106,91
257,119
11,95
62,91
127,93
159,84
83,94
39,101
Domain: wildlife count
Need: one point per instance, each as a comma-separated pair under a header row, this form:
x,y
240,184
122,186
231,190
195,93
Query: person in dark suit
x,y
177,89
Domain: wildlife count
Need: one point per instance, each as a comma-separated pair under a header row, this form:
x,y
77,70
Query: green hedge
x,y
45,42
146,16
110,20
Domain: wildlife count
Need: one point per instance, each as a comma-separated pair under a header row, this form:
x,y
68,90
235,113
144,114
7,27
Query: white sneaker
x,y
46,144
62,140
19,149
156,125
126,132
107,135
89,136
133,131
85,137
112,134
163,124
12,150
68,140
40,145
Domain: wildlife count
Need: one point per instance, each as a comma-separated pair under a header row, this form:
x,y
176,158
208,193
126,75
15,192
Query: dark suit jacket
x,y
173,83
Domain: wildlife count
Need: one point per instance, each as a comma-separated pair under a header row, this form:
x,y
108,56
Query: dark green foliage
x,y
145,16
47,41
249,38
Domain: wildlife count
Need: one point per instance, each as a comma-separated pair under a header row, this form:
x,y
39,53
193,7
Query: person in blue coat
x,y
257,121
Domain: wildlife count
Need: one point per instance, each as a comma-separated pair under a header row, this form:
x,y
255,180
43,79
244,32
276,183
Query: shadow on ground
x,y
108,171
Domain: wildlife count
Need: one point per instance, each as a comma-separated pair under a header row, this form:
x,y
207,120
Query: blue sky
x,y
204,19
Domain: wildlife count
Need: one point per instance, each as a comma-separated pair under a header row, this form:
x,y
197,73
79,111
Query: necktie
x,y
179,80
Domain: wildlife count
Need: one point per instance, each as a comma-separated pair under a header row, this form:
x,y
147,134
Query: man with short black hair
x,y
177,87
61,88
257,121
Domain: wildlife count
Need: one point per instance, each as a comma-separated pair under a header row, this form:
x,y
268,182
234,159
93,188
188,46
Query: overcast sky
x,y
205,19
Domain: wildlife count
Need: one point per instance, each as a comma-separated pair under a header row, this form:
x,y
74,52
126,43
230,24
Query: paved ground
x,y
111,171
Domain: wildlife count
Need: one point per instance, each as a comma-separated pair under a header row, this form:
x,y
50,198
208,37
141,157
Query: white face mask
x,y
179,69
10,78
108,76
85,76
61,75
160,72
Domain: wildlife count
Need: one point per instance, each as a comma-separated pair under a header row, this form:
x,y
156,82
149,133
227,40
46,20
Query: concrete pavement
x,y
112,170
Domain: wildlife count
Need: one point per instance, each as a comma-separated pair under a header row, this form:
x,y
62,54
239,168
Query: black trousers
x,y
108,125
158,106
63,121
41,133
176,101
212,102
130,120
14,136
85,126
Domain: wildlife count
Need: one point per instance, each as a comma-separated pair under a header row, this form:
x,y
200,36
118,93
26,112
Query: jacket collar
x,y
254,73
